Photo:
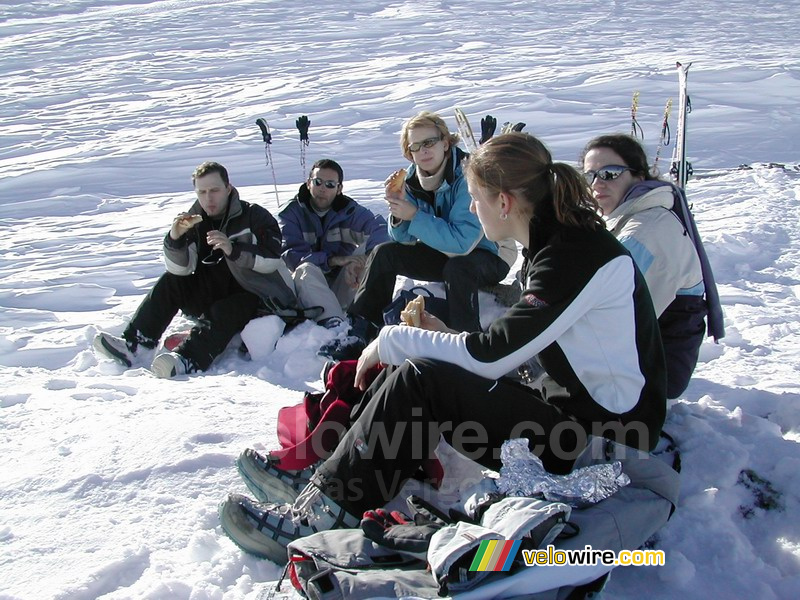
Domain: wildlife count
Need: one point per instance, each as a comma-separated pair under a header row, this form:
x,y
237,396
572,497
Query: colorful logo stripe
x,y
495,555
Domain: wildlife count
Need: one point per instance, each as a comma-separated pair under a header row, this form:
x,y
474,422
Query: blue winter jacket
x,y
446,225
309,238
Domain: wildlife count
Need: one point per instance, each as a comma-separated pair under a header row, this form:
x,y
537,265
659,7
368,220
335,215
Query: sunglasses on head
x,y
329,183
429,143
608,173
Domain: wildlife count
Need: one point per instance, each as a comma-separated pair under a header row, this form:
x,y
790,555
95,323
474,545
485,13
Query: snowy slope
x,y
109,480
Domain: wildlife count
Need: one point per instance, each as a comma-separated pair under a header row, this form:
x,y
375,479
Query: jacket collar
x,y
642,196
304,197
542,227
451,171
233,210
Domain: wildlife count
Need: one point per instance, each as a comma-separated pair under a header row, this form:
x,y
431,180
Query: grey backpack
x,y
342,564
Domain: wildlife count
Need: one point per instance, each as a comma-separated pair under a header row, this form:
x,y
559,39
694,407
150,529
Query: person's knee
x,y
306,272
429,369
458,269
384,254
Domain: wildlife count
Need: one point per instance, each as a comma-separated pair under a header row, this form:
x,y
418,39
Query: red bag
x,y
308,432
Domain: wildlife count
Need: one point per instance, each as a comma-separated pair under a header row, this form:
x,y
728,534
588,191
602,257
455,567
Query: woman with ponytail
x,y
585,316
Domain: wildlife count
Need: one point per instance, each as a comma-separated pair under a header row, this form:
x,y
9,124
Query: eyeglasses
x,y
608,173
214,258
329,183
429,143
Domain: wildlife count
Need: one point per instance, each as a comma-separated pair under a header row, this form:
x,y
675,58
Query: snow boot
x,y
265,529
121,349
172,364
267,481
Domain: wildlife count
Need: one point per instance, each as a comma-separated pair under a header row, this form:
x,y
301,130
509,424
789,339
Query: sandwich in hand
x,y
412,313
396,182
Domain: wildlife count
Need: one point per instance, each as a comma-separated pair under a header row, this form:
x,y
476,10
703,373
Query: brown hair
x,y
628,149
209,167
425,119
521,165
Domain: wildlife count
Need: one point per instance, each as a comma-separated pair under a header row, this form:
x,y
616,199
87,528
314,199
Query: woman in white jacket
x,y
636,206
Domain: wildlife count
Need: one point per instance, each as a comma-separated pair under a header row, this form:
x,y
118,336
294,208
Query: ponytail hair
x,y
519,164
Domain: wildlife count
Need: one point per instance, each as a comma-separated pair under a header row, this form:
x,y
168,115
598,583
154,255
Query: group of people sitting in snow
x,y
611,285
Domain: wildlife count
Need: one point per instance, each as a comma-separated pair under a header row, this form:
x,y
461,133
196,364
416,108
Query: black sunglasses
x,y
429,143
607,173
329,183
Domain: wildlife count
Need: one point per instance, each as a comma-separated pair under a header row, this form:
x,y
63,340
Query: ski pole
x,y
265,133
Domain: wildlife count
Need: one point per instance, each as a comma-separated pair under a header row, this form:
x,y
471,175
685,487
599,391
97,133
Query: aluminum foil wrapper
x,y
522,474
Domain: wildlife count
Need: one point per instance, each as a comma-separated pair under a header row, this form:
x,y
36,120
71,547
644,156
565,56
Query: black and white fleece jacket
x,y
585,314
255,260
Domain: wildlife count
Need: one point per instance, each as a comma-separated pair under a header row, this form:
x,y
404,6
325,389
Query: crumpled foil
x,y
523,474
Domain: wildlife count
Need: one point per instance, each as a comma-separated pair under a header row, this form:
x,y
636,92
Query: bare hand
x,y
341,261
368,359
219,241
183,223
401,209
353,274
431,323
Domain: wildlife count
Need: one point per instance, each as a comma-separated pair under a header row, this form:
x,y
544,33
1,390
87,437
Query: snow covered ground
x,y
109,480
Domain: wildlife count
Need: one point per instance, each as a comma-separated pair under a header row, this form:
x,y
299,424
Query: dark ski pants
x,y
222,314
402,414
462,276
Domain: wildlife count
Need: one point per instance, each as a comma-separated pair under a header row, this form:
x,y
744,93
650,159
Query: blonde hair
x,y
521,165
425,119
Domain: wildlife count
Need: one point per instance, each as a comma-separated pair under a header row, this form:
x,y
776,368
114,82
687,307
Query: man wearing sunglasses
x,y
223,260
326,239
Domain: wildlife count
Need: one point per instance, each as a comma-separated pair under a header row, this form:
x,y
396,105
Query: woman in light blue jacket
x,y
436,238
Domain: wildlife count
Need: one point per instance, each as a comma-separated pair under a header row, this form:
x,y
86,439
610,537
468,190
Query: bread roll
x,y
193,220
412,313
397,182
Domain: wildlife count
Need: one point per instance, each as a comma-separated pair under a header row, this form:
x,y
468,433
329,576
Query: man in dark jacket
x,y
326,239
223,260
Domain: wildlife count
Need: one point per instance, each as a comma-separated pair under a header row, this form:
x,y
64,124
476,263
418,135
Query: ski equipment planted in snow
x,y
488,127
302,126
508,127
636,129
681,168
465,129
265,133
665,134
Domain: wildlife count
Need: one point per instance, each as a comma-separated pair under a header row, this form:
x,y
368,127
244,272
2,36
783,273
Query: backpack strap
x,y
716,323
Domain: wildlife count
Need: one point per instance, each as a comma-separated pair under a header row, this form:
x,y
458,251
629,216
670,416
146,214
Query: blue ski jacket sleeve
x,y
446,225
309,238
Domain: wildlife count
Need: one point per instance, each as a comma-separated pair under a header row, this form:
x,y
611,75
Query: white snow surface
x,y
110,479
